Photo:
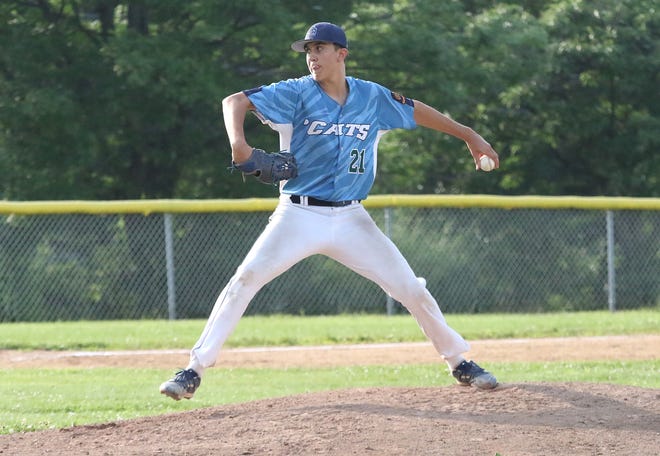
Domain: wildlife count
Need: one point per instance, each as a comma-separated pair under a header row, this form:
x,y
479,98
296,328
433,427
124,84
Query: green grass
x,y
34,399
54,398
287,330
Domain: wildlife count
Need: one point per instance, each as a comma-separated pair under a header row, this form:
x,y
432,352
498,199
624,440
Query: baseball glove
x,y
269,168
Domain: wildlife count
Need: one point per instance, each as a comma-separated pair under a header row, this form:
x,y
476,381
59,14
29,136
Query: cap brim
x,y
299,46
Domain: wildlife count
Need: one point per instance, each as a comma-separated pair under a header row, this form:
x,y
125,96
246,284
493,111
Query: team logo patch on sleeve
x,y
251,91
401,99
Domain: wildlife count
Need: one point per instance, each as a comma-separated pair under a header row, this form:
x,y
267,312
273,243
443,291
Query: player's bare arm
x,y
234,110
426,116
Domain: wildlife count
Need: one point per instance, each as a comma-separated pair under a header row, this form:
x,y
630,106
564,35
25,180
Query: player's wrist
x,y
469,135
241,153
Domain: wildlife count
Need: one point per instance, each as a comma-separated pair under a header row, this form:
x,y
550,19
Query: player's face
x,y
323,60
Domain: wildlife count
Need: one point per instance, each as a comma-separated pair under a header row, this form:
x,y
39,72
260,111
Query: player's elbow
x,y
236,101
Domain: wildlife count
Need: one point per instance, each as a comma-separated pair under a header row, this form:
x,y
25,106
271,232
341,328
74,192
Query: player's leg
x,y
291,235
365,249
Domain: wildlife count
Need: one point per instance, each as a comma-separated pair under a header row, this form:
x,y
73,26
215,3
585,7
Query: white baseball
x,y
486,163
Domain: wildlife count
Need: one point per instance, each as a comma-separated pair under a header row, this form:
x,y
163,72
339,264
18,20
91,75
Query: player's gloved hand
x,y
269,168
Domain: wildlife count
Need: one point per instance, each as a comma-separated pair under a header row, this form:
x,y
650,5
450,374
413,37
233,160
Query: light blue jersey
x,y
335,146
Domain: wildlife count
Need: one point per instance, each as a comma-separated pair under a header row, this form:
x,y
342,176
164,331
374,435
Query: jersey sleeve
x,y
396,111
276,102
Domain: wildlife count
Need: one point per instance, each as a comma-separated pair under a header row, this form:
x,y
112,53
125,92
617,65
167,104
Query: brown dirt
x,y
514,419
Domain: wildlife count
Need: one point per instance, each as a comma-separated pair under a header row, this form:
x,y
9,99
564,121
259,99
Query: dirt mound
x,y
513,420
516,419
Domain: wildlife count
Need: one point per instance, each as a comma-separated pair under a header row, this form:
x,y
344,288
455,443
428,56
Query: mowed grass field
x,y
33,399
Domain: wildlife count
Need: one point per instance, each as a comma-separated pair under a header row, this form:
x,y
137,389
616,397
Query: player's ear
x,y
343,53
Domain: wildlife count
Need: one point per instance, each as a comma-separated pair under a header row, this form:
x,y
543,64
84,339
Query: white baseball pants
x,y
346,234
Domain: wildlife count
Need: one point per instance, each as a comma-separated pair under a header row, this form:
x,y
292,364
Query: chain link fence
x,y
476,258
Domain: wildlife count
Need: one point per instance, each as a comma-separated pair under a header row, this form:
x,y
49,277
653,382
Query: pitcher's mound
x,y
514,419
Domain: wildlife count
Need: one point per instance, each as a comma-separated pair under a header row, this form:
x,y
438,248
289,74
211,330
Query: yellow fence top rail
x,y
147,207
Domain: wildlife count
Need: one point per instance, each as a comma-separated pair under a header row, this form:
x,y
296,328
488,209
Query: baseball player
x,y
329,126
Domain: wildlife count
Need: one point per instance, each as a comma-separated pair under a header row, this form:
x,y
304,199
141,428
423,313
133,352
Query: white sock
x,y
453,361
197,368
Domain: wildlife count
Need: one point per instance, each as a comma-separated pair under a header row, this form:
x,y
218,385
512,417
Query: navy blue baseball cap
x,y
322,31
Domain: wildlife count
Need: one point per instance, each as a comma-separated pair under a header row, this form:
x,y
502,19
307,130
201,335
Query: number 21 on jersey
x,y
357,162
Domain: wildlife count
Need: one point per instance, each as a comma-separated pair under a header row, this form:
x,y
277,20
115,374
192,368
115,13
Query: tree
x,y
594,128
463,62
108,99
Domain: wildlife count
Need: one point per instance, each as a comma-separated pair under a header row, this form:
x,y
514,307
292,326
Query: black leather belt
x,y
311,201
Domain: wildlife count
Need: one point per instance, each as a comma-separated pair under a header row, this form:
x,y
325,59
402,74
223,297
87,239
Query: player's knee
x,y
243,279
411,293
250,277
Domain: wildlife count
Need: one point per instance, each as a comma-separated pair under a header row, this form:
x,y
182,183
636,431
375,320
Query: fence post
x,y
389,304
611,271
169,263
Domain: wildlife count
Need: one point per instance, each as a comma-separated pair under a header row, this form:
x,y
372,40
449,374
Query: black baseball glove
x,y
269,168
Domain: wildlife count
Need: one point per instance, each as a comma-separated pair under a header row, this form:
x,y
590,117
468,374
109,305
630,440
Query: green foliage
x,y
108,100
121,100
43,267
595,121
